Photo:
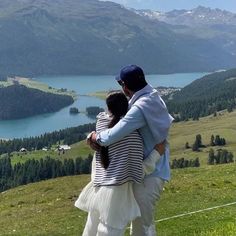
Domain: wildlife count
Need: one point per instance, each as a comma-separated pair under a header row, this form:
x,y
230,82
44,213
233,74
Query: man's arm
x,y
133,120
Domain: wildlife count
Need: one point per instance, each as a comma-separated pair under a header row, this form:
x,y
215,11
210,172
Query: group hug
x,y
131,159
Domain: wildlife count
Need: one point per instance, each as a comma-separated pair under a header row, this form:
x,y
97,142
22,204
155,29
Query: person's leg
x,y
105,230
91,226
146,194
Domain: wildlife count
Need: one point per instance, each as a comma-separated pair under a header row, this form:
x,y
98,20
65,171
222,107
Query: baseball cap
x,y
129,72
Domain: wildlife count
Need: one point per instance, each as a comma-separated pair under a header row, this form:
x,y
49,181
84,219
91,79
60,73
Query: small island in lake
x,y
94,111
21,98
74,110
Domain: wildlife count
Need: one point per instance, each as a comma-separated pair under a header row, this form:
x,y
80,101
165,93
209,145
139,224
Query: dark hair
x,y
117,104
135,84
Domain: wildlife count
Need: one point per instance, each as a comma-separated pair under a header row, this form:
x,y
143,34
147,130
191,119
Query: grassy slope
x,y
77,150
36,85
46,208
223,125
101,94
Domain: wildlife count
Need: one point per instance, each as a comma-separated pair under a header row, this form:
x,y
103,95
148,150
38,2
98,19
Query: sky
x,y
168,5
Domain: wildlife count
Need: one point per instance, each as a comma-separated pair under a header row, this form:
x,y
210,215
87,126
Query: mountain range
x,y
197,16
42,37
215,25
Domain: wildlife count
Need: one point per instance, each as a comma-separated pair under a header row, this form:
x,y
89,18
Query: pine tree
x,y
187,145
218,157
211,157
212,142
230,157
196,162
223,156
223,142
217,140
78,162
199,140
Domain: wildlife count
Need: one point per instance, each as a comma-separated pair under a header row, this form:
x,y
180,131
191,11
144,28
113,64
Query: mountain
x,y
205,96
41,37
18,101
197,16
215,25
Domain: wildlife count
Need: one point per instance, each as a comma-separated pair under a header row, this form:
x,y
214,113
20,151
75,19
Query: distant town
x,y
164,91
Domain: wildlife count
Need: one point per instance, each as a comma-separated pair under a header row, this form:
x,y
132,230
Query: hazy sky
x,y
167,5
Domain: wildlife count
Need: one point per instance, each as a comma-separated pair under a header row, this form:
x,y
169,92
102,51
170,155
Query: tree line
x,y
184,163
214,141
67,136
222,156
14,106
36,170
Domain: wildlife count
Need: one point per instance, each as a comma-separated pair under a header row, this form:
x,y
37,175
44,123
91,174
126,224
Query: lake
x,y
83,85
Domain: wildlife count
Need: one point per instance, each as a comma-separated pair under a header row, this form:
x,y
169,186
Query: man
x,y
149,115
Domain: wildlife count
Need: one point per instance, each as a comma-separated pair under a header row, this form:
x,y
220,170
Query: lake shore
x,y
82,85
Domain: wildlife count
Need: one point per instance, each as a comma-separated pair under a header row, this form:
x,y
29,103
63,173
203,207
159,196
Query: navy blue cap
x,y
129,72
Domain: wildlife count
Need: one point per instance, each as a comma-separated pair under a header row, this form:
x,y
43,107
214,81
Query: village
x,y
61,149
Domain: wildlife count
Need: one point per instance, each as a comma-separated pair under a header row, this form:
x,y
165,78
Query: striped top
x,y
126,157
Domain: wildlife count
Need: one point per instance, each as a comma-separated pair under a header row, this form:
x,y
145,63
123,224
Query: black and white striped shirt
x,y
126,157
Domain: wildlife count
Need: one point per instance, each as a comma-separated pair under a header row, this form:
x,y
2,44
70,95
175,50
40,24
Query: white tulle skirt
x,y
116,205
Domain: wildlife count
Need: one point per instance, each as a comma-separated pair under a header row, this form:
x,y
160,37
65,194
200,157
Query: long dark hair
x,y
117,105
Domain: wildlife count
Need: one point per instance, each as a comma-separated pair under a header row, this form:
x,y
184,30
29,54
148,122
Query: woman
x,y
109,198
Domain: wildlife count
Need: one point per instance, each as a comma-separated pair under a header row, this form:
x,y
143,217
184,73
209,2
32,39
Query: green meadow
x,y
224,124
77,150
30,83
47,207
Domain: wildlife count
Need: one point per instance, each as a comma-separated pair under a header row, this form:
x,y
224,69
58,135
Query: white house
x,y
64,147
23,150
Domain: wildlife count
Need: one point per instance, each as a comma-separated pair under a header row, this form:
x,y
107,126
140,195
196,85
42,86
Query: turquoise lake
x,y
83,85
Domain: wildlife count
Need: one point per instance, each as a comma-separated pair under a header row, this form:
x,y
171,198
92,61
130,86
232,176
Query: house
x,y
64,147
24,150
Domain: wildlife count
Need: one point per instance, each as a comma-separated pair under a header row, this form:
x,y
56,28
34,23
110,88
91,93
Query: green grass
x,y
46,208
77,150
182,132
36,85
195,189
101,95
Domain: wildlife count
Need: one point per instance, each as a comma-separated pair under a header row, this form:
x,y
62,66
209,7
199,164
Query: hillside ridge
x,y
18,101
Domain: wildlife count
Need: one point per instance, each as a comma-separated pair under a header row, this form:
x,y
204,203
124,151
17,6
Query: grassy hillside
x,y
46,208
224,124
77,150
30,83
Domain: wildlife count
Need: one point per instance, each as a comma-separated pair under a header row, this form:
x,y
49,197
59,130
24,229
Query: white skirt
x,y
116,205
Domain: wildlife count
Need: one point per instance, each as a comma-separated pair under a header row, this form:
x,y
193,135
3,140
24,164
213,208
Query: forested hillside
x,y
205,96
18,101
